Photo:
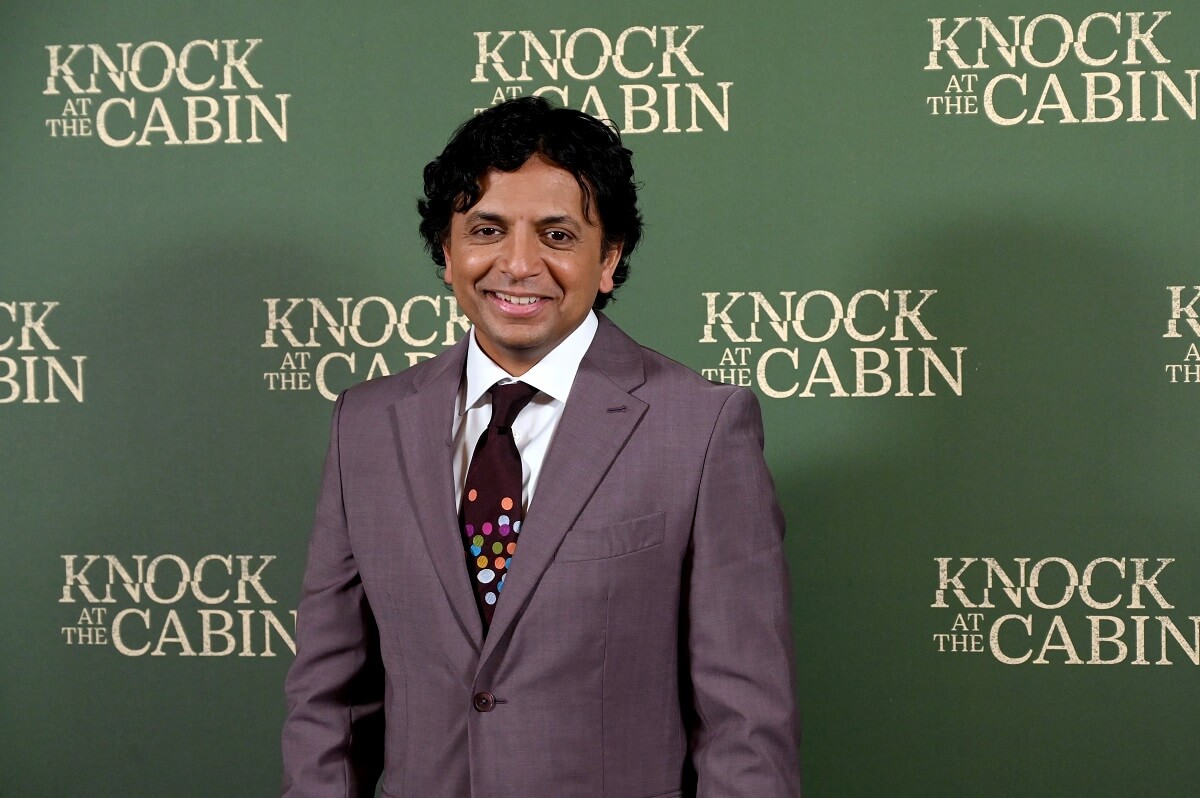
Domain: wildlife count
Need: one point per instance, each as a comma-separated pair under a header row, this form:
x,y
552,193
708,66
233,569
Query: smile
x,y
516,300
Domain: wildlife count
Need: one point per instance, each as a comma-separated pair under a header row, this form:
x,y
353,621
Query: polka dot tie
x,y
491,504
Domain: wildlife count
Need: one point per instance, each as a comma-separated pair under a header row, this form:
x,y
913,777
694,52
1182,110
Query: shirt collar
x,y
553,375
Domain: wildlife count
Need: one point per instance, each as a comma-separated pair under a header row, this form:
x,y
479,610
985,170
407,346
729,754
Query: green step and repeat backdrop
x,y
951,245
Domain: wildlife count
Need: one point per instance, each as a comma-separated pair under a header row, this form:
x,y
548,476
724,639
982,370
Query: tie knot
x,y
508,400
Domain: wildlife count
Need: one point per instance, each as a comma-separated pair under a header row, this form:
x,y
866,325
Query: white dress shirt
x,y
534,428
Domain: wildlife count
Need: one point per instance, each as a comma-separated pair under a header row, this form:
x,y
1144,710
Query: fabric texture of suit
x,y
641,647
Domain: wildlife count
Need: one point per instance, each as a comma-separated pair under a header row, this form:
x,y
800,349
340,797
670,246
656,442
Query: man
x,y
620,627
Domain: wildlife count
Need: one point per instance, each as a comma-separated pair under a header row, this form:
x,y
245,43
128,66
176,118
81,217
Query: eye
x,y
486,231
559,236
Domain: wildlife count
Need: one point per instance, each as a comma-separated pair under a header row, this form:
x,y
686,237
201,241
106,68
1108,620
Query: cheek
x,y
464,270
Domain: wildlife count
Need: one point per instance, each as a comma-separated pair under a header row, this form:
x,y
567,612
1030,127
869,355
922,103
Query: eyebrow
x,y
498,218
559,219
483,216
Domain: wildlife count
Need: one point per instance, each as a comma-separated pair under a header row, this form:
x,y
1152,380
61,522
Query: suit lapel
x,y
424,436
598,419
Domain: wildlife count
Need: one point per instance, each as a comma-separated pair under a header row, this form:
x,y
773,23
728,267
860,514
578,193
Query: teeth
x,y
517,300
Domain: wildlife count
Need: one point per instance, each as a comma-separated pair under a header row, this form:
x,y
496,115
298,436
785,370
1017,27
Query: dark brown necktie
x,y
491,504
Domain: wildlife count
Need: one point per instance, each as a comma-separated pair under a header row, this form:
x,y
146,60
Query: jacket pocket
x,y
624,537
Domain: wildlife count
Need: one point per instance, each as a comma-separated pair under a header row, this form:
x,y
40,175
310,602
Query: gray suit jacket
x,y
642,646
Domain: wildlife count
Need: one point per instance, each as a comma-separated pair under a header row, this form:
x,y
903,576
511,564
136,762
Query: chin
x,y
521,345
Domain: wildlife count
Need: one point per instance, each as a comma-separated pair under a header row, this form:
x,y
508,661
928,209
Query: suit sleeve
x,y
744,737
333,735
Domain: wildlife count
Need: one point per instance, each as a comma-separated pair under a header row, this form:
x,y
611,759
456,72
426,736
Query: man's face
x,y
525,262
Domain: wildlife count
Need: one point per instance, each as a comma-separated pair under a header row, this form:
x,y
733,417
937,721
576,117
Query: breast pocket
x,y
624,537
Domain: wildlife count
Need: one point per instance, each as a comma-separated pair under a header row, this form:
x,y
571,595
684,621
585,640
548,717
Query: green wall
x,y
973,338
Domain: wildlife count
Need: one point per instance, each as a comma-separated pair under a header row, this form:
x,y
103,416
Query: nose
x,y
523,257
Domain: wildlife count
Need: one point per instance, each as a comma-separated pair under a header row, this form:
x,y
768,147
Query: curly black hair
x,y
503,137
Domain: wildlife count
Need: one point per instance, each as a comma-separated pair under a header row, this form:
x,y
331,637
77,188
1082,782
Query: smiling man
x,y
547,562
527,262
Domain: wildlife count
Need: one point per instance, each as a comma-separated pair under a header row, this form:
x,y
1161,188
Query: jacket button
x,y
484,702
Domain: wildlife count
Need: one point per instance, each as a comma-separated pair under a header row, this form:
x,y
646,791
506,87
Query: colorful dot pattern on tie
x,y
490,516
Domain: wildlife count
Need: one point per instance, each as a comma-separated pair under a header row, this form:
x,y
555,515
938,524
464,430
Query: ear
x,y
608,266
448,272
